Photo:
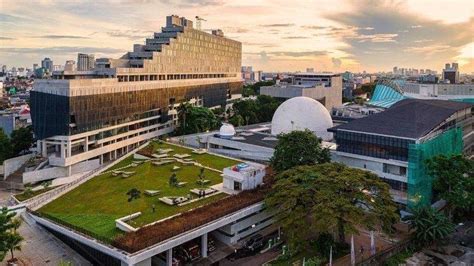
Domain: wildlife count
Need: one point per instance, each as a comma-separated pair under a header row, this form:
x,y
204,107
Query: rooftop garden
x,y
93,207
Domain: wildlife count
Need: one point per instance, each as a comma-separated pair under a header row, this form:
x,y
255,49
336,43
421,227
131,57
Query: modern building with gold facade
x,y
103,113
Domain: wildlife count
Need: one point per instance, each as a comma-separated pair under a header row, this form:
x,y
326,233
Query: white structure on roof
x,y
300,113
227,131
243,176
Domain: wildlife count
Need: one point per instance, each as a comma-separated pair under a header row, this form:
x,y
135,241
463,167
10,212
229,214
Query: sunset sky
x,y
291,35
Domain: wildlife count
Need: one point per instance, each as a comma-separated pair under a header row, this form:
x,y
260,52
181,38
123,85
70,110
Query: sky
x,y
276,35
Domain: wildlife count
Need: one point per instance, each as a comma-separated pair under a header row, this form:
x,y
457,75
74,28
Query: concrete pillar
x,y
169,257
86,144
204,245
101,159
69,148
63,150
44,149
69,170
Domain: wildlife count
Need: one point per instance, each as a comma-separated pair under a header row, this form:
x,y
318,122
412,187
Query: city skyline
x,y
353,35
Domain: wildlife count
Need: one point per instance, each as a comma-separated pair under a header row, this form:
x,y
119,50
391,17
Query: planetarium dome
x,y
300,113
227,131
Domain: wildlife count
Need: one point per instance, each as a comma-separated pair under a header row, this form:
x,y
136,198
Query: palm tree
x,y
183,110
430,224
12,242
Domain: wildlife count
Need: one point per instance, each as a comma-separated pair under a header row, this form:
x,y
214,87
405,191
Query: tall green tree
x,y
453,180
298,148
196,119
329,198
8,226
5,147
429,224
21,139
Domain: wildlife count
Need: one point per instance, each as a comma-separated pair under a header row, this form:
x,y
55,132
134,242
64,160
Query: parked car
x,y
254,243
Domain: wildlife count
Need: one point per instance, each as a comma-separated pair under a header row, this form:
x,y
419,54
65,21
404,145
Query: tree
x,y
13,242
201,176
298,148
183,110
430,225
173,180
453,180
9,238
5,147
329,198
21,139
237,120
196,119
133,194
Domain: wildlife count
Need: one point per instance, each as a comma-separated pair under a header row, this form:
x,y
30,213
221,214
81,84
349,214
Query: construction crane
x,y
198,22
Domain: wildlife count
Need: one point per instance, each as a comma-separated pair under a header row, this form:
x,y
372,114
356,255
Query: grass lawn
x,y
96,204
23,196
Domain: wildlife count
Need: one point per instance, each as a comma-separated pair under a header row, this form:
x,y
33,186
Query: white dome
x,y
227,130
300,113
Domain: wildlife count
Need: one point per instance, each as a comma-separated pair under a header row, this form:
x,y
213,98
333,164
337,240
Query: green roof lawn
x,y
94,205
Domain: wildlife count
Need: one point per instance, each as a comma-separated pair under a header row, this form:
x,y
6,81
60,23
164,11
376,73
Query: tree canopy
x,y
453,180
430,225
5,147
254,111
298,148
196,119
329,198
21,139
254,89
10,240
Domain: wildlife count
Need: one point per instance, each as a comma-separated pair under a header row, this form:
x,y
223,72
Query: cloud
x,y
278,25
187,3
61,37
6,38
403,31
336,62
130,34
295,37
385,37
430,49
59,50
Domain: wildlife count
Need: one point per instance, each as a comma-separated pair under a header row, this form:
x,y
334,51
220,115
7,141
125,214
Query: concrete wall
x,y
55,172
13,164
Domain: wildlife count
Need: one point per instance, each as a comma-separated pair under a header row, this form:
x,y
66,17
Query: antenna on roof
x,y
198,22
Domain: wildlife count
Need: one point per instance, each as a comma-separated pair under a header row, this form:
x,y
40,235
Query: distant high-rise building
x,y
395,70
85,62
47,64
451,73
58,68
4,69
310,70
35,66
70,65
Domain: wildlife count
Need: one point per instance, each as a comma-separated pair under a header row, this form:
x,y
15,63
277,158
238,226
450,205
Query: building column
x,y
101,159
63,149
69,148
169,257
86,144
69,170
204,245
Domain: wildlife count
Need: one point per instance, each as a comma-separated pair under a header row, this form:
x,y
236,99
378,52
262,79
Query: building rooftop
x,y
255,138
409,118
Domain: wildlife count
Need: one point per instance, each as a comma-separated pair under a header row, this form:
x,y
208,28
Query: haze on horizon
x,y
276,35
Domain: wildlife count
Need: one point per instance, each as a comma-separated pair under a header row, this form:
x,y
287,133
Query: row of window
x,y
372,145
132,78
